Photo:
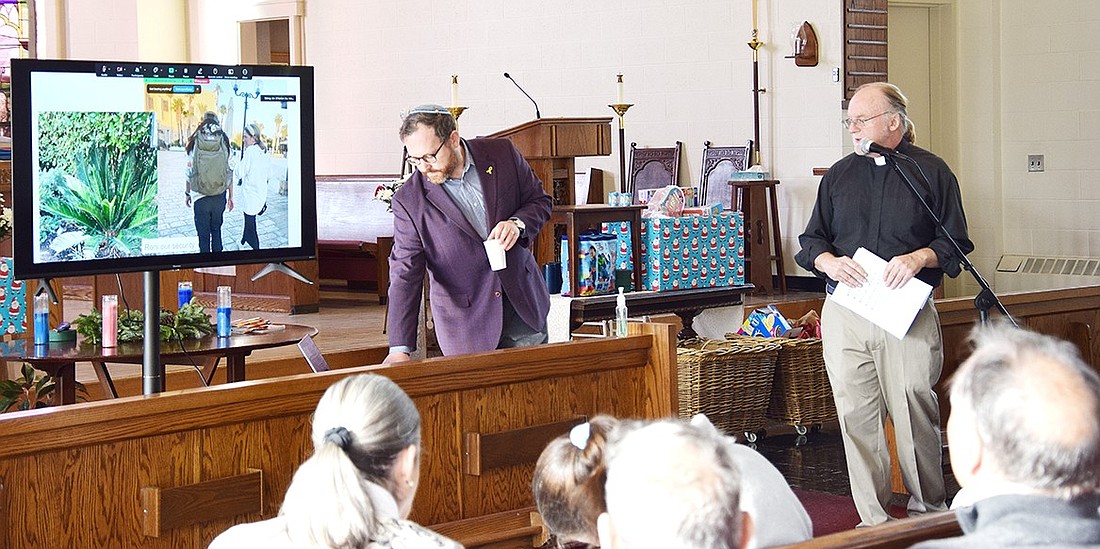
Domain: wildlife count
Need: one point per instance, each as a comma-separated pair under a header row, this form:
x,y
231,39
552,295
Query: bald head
x,y
1034,407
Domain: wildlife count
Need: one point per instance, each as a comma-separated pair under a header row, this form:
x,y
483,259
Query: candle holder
x,y
620,109
456,111
755,45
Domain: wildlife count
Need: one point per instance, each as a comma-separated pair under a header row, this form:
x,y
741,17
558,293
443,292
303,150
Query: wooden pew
x,y
177,468
895,534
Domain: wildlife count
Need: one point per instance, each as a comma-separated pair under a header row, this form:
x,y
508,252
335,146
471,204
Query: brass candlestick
x,y
456,111
620,109
755,44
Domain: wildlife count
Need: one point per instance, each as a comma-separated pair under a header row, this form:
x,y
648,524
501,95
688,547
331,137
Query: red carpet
x,y
831,513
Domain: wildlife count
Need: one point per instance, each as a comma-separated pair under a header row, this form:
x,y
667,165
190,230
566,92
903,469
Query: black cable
x,y
122,293
191,359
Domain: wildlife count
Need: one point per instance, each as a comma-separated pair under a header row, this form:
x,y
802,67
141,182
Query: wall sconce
x,y
804,45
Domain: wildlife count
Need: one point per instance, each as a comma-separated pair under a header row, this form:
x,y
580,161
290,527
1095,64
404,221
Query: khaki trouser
x,y
874,374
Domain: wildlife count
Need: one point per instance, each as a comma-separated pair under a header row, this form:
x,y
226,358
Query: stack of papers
x,y
891,310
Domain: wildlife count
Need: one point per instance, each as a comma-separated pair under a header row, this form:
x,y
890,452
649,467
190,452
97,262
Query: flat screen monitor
x,y
117,166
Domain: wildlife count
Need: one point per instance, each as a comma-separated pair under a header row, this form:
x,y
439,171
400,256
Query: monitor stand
x,y
282,268
45,286
152,369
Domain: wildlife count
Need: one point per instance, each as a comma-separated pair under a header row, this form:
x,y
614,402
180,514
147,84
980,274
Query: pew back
x,y
895,534
176,469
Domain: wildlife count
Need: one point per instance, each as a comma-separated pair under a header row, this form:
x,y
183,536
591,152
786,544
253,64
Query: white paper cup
x,y
495,251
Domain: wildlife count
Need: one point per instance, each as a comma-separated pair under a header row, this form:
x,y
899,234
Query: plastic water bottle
x,y
225,309
41,319
620,314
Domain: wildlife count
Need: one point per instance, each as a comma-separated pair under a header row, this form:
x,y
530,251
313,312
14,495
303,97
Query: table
x,y
684,303
578,218
59,359
761,232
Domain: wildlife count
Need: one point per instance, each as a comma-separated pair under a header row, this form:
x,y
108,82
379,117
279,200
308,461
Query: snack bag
x,y
765,322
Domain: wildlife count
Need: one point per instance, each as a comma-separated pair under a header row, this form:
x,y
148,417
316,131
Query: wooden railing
x,y
177,468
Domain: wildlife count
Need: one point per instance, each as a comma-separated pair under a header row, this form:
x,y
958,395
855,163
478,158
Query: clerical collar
x,y
879,160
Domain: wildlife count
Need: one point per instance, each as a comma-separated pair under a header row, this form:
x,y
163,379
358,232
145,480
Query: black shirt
x,y
862,204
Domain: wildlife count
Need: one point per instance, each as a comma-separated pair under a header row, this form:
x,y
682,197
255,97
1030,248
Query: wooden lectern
x,y
551,146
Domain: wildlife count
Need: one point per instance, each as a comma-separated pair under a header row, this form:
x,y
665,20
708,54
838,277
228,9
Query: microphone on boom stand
x,y
986,298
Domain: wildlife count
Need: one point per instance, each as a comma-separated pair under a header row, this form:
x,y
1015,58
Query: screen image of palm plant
x,y
98,199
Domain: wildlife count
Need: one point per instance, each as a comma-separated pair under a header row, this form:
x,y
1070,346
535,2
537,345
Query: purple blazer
x,y
431,233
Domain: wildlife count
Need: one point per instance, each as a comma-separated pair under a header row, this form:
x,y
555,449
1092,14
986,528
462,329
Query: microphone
x,y
868,146
537,114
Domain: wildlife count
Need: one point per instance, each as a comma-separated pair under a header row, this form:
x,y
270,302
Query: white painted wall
x,y
105,29
1050,67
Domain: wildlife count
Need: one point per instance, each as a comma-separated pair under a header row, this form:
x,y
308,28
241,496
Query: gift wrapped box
x,y
13,300
693,252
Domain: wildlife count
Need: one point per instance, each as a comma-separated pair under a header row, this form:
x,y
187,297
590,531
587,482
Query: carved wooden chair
x,y
653,167
718,164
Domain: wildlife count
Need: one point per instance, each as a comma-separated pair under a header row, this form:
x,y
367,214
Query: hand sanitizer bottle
x,y
620,314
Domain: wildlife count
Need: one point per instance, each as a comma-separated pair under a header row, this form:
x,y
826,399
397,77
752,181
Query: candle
x,y
619,97
753,14
110,321
454,90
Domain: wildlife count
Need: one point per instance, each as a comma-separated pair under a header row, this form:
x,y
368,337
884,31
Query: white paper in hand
x,y
891,310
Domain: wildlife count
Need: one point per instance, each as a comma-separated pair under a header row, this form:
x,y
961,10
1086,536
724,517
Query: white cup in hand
x,y
495,251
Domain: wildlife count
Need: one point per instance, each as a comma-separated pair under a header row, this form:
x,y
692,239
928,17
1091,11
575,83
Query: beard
x,y
441,175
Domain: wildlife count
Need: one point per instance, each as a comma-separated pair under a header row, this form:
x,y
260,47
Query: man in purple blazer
x,y
461,193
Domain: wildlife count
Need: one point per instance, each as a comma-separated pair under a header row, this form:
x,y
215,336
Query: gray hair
x,y
361,424
671,484
1036,409
437,118
898,103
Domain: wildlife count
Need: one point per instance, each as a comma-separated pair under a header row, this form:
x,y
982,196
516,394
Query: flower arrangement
x,y
5,219
385,191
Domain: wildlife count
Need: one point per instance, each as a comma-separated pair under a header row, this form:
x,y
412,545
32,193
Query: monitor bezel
x,y
24,241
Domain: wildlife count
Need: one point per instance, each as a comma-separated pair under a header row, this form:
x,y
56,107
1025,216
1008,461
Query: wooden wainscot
x,y
177,468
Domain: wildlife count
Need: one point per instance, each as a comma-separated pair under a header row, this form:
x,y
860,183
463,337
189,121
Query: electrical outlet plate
x,y
1035,163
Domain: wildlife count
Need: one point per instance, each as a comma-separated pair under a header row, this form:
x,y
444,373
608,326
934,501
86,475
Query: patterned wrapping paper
x,y
13,300
621,229
693,252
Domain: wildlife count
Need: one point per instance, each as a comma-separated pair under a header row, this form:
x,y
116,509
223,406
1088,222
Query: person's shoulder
x,y
924,156
406,533
265,534
492,145
842,165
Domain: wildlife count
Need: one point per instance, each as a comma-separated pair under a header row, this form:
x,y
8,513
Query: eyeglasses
x,y
860,122
415,161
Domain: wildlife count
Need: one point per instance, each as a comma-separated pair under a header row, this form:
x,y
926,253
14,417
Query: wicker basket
x,y
729,382
801,395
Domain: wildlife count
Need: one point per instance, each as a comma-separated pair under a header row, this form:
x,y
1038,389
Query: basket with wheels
x,y
730,382
801,395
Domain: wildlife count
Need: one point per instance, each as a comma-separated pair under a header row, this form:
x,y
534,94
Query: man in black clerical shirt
x,y
863,202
